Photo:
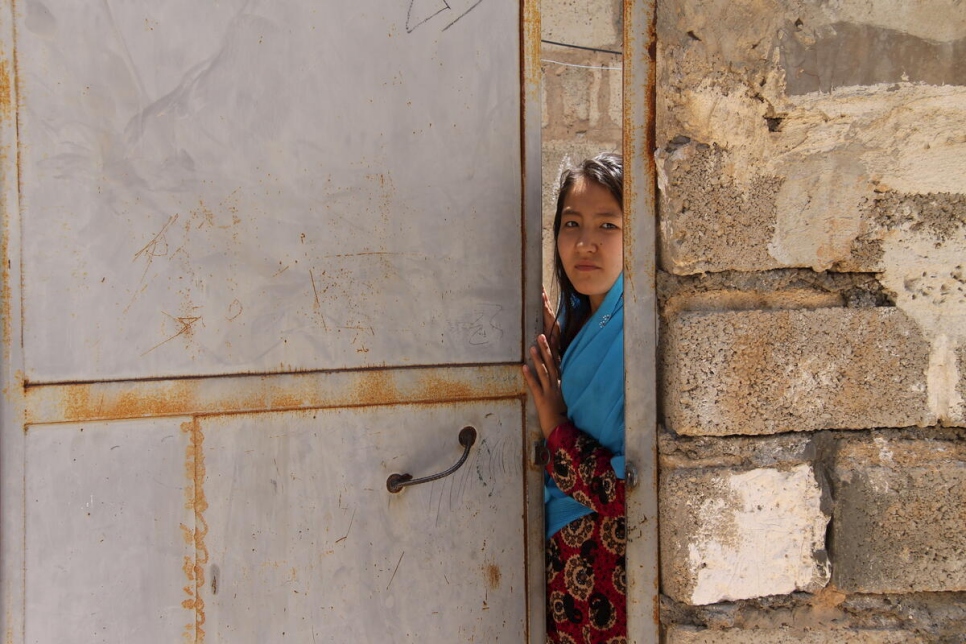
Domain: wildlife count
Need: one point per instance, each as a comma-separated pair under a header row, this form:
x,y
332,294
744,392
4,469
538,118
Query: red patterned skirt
x,y
587,583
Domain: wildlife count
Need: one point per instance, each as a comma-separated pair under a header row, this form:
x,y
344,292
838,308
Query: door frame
x,y
640,318
531,90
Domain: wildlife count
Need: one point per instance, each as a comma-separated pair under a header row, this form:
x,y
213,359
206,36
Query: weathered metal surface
x,y
640,308
251,187
110,532
224,208
124,399
304,543
11,353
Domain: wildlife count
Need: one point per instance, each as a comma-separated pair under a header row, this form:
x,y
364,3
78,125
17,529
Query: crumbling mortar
x,y
782,451
774,289
938,618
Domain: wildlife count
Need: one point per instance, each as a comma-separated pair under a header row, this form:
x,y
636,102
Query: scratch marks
x,y
234,309
157,247
396,569
317,307
349,529
422,11
185,328
201,232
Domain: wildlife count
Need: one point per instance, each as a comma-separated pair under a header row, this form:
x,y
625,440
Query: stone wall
x,y
812,175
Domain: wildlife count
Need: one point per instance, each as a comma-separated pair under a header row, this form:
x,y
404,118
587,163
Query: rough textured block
x,y
593,23
900,516
689,635
961,385
708,223
822,213
765,372
795,136
729,534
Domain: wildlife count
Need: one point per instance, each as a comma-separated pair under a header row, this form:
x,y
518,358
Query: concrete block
x,y
781,131
578,87
591,23
899,516
766,372
898,42
690,635
961,384
708,223
728,534
822,212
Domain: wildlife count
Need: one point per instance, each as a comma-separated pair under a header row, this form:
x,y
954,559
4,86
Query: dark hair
x,y
606,170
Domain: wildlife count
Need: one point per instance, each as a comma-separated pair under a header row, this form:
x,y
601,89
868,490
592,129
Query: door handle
x,y
396,482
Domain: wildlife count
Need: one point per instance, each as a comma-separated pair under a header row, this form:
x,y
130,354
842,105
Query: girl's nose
x,y
586,240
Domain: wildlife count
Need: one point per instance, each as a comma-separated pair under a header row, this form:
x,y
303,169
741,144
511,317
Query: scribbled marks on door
x,y
157,247
184,327
452,11
485,328
173,282
234,309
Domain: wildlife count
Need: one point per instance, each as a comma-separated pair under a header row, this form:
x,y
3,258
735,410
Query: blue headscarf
x,y
592,382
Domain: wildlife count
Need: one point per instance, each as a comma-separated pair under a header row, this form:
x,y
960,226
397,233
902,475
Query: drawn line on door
x,y
396,570
349,529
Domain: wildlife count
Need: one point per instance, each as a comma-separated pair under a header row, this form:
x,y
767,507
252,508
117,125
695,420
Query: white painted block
x,y
729,535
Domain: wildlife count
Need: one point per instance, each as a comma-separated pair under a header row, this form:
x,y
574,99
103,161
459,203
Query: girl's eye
x,y
570,224
608,226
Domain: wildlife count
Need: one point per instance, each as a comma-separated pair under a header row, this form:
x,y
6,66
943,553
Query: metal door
x,y
258,257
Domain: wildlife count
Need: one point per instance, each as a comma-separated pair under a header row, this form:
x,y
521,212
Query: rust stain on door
x,y
6,95
195,501
137,399
493,576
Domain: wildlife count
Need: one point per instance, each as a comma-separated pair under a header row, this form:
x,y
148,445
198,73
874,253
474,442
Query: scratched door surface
x,y
258,257
252,187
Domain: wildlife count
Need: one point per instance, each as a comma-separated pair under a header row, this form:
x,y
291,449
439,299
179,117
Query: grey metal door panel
x,y
263,251
303,538
108,532
268,187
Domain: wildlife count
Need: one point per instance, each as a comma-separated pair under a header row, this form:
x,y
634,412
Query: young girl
x,y
580,403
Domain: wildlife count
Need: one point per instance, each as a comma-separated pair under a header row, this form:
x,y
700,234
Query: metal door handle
x,y
396,482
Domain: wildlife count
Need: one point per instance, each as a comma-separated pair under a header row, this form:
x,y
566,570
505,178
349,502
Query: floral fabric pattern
x,y
586,571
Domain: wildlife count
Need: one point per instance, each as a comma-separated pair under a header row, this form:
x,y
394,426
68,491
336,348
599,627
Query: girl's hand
x,y
551,329
543,380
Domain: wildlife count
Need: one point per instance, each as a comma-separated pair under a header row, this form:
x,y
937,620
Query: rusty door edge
x,y
12,405
640,333
48,404
532,310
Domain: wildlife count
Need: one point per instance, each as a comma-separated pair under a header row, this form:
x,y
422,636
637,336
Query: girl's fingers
x,y
546,371
549,317
548,358
540,366
531,381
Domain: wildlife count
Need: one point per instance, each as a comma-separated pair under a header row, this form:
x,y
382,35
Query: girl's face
x,y
591,241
